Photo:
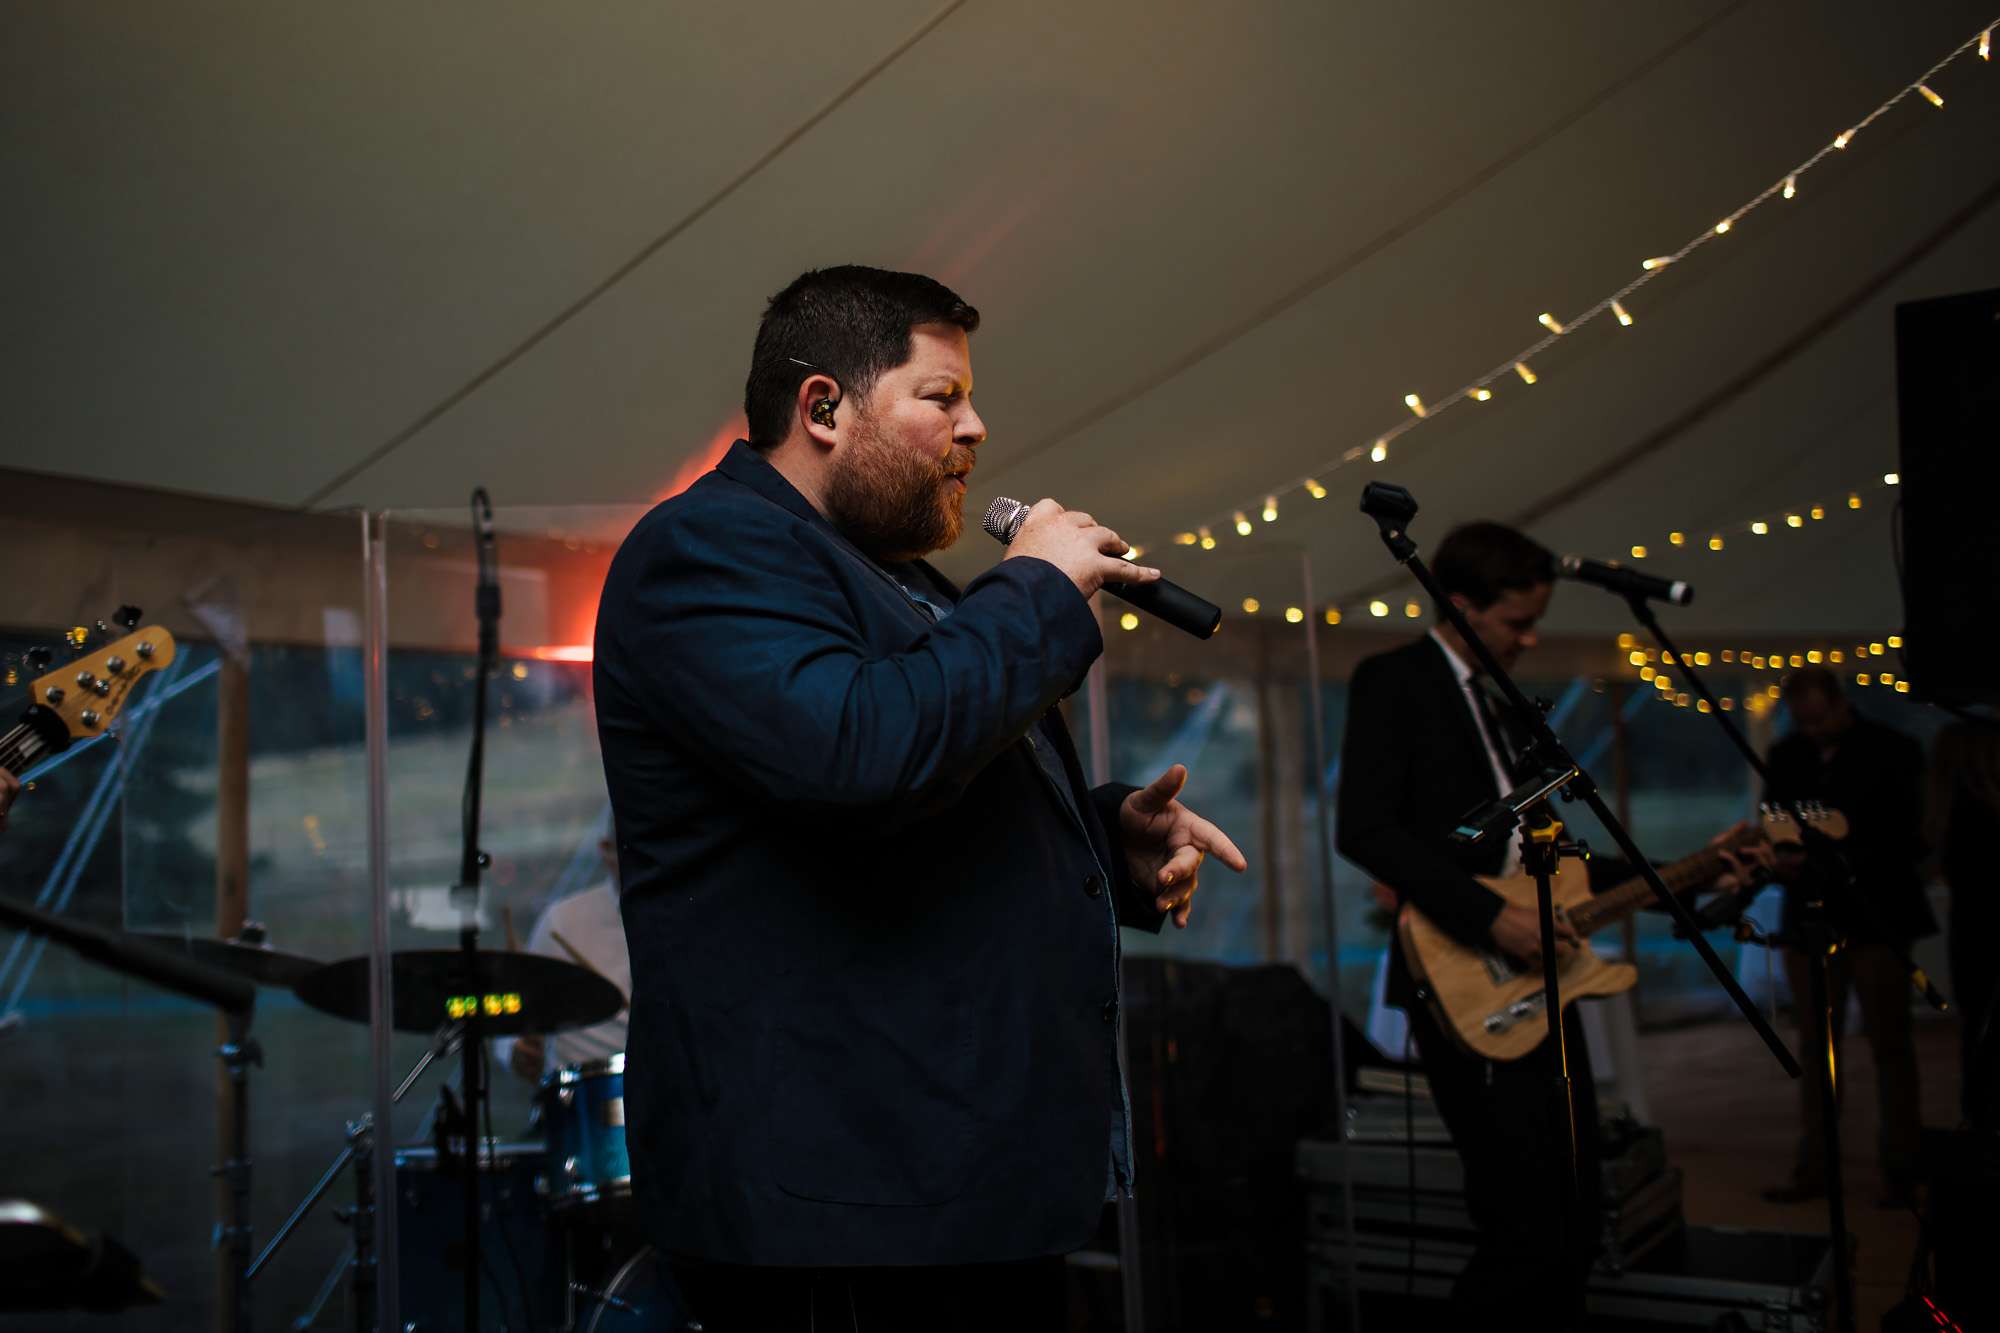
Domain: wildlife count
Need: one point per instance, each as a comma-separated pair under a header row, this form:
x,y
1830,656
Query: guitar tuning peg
x,y
128,616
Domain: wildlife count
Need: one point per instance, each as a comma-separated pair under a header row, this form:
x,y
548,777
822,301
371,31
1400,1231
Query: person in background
x,y
1875,776
582,928
1964,828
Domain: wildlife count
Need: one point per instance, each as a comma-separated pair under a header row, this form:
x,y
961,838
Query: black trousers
x,y
966,1298
1536,1239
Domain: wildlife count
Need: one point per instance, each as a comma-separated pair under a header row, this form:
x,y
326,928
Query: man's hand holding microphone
x,y
1077,544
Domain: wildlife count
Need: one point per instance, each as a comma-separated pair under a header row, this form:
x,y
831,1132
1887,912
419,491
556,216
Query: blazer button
x,y
1094,885
1111,1011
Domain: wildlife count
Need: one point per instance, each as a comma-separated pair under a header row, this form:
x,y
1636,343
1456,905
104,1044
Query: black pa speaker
x,y
1948,415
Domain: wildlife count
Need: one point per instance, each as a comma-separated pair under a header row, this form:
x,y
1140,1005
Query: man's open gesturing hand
x,y
1165,843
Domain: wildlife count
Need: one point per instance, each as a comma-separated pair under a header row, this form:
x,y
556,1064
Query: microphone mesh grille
x,y
1003,519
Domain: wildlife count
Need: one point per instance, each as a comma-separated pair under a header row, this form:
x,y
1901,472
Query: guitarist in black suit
x,y
1427,740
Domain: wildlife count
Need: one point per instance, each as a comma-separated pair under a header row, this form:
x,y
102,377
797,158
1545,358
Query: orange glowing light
x,y
563,652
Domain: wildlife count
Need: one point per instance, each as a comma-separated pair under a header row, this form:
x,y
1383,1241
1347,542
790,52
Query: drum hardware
x,y
358,1261
248,955
129,955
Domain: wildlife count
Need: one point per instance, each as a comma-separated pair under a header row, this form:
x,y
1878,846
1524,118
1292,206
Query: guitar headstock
x,y
1779,826
88,692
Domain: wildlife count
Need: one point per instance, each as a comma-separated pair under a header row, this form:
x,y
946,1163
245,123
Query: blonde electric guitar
x,y
1494,1004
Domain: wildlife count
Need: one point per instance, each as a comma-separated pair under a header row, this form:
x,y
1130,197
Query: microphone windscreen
x,y
1003,519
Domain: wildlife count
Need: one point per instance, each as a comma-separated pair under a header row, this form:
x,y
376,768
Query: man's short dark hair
x,y
1482,562
1815,680
849,322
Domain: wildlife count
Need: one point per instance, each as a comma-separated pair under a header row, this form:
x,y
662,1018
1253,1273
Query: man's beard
x,y
892,501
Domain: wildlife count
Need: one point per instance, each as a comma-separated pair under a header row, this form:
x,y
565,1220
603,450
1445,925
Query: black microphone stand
x,y
1392,507
1820,936
472,1082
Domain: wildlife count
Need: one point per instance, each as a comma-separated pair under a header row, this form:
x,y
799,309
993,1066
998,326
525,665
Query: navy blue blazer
x,y
874,966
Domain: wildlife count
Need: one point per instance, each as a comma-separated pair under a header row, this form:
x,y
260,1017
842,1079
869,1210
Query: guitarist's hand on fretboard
x,y
1750,858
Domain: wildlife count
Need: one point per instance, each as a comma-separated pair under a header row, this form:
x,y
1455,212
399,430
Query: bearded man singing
x,y
871,907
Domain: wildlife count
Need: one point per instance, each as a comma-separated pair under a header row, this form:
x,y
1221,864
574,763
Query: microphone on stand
x,y
1625,582
1168,601
486,599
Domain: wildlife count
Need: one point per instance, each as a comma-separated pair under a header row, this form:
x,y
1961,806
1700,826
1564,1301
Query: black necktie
x,y
1510,748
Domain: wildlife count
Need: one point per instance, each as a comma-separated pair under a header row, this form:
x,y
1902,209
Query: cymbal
x,y
515,992
253,962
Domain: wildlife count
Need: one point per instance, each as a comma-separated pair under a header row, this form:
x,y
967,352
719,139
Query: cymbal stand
x,y
358,1260
237,1055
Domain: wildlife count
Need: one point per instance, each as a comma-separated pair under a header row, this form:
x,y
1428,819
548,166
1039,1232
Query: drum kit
x,y
558,1240
561,1247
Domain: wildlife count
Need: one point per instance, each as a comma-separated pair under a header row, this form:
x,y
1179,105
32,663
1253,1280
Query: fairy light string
x,y
1520,365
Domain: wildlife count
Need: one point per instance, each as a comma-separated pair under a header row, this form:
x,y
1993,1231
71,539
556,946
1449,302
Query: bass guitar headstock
x,y
1779,826
84,695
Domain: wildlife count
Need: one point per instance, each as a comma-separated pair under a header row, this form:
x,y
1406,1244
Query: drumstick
x,y
570,949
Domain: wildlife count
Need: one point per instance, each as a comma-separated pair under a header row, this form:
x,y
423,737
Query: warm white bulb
x,y
1333,615
1550,322
1412,610
1250,605
1986,45
1891,479
1791,186
1128,621
1315,490
1270,509
1378,609
1527,375
1760,527
1624,315
1293,615
1207,540
1482,394
1185,539
1657,261
1844,138
1242,524
1722,227
1930,96
1380,453
1415,404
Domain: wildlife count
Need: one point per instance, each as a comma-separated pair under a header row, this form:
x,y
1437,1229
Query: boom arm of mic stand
x,y
1581,787
1854,906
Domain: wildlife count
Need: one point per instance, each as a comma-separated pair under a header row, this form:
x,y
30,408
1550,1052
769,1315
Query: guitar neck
x,y
1690,872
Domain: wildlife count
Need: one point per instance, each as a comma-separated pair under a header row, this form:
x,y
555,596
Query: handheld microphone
x,y
1625,582
1168,601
